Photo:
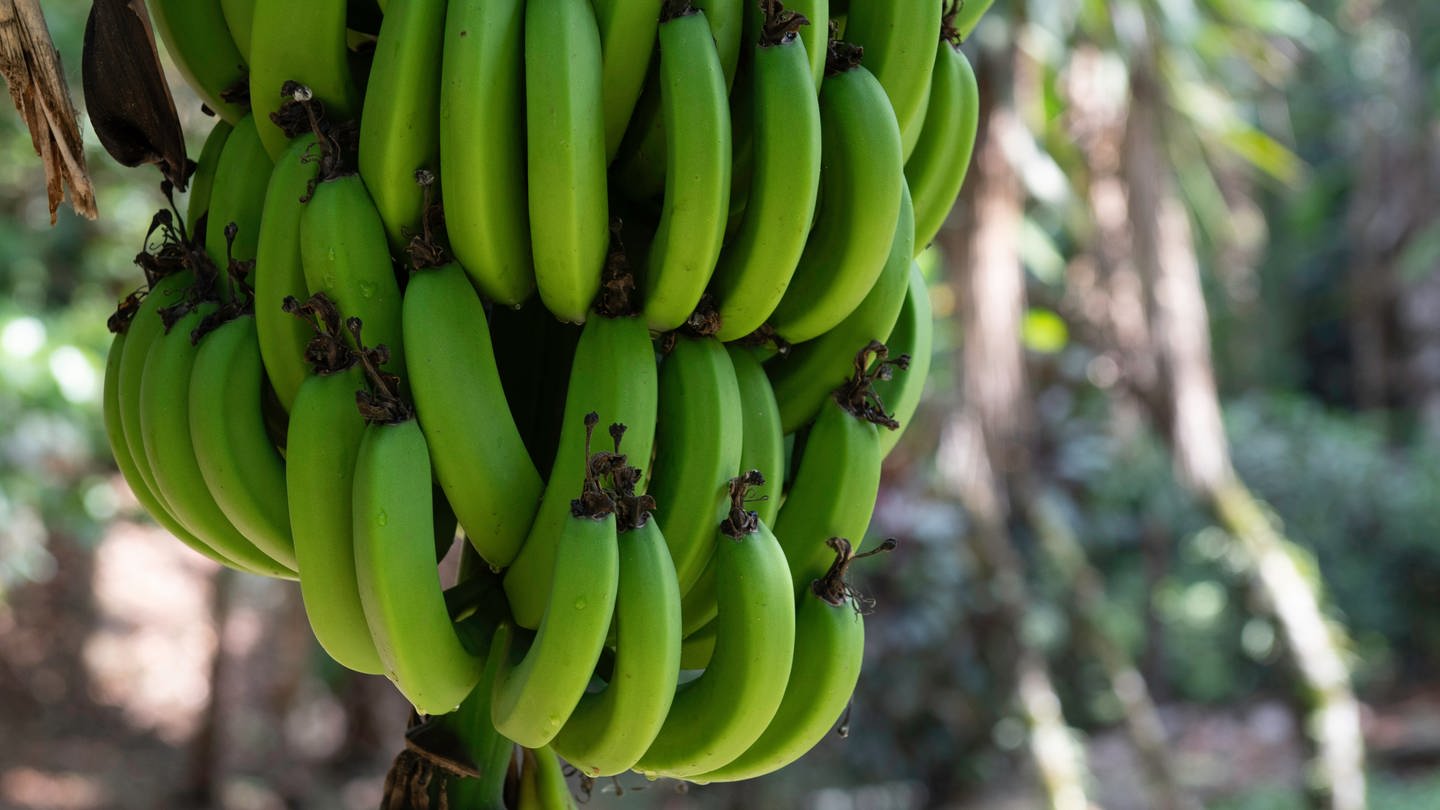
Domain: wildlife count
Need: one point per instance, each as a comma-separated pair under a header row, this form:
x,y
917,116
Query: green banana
x,y
395,570
720,714
815,37
542,782
203,49
698,439
968,15
627,38
697,175
805,378
238,463
756,264
610,730
829,648
698,648
479,458
279,273
565,140
482,146
936,169
914,337
305,43
163,404
536,695
861,178
239,16
896,36
613,373
203,180
399,127
489,750
237,195
345,255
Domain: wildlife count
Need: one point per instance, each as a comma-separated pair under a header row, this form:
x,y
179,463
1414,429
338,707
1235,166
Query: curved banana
x,y
613,373
163,403
345,255
968,16
203,49
936,169
805,378
535,696
479,458
482,146
756,264
914,337
551,788
241,467
395,570
720,714
320,450
203,180
490,752
697,174
565,140
816,36
697,450
239,16
896,36
399,127
610,730
237,195
829,648
279,273
860,189
627,38
305,43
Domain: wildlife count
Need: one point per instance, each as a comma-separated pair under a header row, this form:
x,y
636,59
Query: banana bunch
x,y
430,246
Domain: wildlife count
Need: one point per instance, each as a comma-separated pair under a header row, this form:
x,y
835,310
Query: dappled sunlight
x,y
31,789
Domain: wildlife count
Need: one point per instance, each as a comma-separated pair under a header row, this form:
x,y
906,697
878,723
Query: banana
x,y
237,195
399,127
829,648
395,569
698,439
239,16
345,255
756,264
536,695
163,403
305,43
565,141
805,378
968,16
279,273
320,451
914,337
697,175
627,38
816,36
204,51
238,463
482,146
936,169
203,180
860,189
720,714
479,457
491,753
613,373
896,36
610,730
698,648
551,789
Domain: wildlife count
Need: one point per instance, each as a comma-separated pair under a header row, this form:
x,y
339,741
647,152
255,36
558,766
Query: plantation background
x,y
1302,144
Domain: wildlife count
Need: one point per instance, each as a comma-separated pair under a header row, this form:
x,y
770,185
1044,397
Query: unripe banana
x,y
896,36
279,272
756,265
399,127
565,140
395,571
238,195
203,180
968,16
479,458
613,374
936,170
697,184
627,38
239,16
241,467
487,748
914,337
482,146
860,188
816,36
698,648
203,49
805,378
305,43
542,782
